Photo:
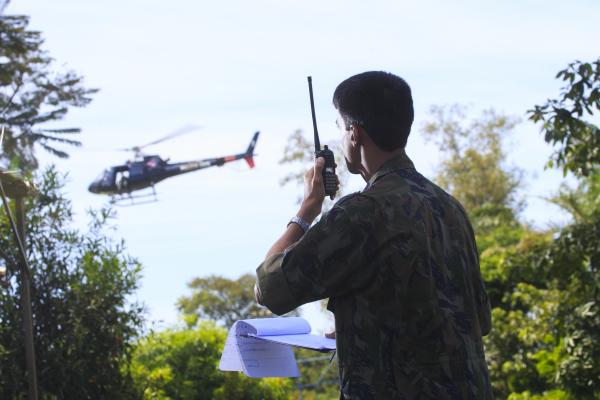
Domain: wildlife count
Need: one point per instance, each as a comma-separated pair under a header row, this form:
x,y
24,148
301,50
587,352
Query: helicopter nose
x,y
93,187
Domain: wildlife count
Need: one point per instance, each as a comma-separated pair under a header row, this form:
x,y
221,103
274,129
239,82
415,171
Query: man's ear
x,y
356,133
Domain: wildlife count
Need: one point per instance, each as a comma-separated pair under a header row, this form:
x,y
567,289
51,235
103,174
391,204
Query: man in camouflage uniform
x,y
397,261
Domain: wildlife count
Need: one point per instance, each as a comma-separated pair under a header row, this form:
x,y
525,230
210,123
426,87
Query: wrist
x,y
308,212
301,222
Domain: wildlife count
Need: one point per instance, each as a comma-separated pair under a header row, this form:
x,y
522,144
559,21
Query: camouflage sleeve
x,y
328,261
271,289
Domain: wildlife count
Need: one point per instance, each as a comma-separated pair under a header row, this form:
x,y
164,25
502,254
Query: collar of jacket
x,y
393,164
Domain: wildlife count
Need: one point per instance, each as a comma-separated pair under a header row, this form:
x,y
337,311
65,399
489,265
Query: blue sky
x,y
235,67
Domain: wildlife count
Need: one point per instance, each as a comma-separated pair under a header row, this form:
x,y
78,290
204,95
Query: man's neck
x,y
373,159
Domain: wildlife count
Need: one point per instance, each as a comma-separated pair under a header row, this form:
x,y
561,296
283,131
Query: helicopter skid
x,y
127,200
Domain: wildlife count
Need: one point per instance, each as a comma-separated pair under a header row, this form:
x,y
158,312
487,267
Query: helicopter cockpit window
x,y
105,176
122,180
100,177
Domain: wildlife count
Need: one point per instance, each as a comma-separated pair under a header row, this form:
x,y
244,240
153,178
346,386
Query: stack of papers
x,y
261,347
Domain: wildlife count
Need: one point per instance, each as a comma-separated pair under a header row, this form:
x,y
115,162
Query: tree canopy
x,y
223,300
576,249
33,95
81,285
473,166
563,120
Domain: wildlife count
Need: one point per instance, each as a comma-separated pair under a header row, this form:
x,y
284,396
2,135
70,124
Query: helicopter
x,y
146,170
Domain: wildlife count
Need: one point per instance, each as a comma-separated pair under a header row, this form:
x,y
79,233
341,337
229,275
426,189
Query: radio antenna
x,y
314,118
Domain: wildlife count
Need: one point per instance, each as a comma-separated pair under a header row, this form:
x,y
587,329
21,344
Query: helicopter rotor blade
x,y
181,131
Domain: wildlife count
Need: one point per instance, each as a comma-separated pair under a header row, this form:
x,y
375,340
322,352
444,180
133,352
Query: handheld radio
x,y
329,177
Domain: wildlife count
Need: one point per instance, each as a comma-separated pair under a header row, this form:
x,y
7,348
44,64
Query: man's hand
x,y
314,192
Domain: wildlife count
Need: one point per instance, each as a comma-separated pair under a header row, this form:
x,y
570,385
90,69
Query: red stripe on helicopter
x,y
230,158
250,161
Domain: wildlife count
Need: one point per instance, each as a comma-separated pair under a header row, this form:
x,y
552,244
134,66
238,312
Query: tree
x,y
84,323
579,370
578,142
563,122
222,300
582,201
182,364
473,165
33,95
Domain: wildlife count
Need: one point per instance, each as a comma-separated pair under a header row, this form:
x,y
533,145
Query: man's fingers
x,y
308,174
319,165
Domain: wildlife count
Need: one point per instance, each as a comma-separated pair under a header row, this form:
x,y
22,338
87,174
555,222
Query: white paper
x,y
266,359
308,341
261,358
230,358
278,326
261,347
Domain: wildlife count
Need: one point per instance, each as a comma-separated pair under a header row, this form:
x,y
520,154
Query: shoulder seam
x,y
345,198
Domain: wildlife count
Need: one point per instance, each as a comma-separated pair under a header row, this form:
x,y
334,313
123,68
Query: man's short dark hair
x,y
380,103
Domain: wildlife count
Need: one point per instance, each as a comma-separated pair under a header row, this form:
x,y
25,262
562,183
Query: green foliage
x,y
544,290
563,122
580,369
83,321
577,249
472,168
549,395
319,376
513,259
581,202
182,364
298,150
31,95
524,344
223,300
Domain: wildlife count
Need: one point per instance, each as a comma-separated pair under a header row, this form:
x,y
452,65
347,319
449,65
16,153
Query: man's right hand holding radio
x,y
314,192
312,203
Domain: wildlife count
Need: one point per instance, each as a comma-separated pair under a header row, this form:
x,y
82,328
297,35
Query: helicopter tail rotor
x,y
250,151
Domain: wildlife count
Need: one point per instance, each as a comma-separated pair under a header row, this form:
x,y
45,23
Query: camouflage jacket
x,y
399,265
